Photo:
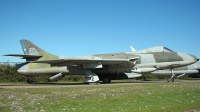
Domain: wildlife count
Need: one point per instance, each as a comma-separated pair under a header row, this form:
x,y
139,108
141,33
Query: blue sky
x,y
85,27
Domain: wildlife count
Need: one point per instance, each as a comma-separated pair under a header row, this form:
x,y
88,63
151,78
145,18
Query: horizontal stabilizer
x,y
24,56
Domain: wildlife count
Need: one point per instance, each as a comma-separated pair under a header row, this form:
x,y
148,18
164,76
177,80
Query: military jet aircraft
x,y
105,67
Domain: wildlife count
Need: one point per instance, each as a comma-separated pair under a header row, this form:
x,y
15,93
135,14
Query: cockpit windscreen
x,y
167,50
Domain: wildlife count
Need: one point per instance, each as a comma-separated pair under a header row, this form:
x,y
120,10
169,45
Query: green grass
x,y
148,97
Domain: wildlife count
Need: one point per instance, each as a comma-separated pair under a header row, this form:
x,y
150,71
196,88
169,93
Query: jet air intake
x,y
57,77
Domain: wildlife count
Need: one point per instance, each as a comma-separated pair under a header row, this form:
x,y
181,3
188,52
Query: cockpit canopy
x,y
156,49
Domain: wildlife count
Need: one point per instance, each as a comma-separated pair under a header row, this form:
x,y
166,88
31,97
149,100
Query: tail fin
x,y
32,53
31,49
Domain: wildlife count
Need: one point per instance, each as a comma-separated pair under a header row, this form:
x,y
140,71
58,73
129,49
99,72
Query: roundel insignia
x,y
156,56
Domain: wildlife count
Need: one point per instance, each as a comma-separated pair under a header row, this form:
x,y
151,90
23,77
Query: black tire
x,y
106,80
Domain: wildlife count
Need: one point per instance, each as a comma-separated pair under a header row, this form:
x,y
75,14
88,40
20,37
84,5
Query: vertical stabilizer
x,y
31,49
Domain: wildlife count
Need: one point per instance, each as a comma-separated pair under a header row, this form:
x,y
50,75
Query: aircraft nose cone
x,y
195,57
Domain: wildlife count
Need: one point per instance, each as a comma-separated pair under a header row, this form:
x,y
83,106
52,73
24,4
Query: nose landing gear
x,y
171,79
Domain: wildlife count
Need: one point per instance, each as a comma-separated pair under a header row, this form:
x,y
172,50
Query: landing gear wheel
x,y
94,83
170,79
106,80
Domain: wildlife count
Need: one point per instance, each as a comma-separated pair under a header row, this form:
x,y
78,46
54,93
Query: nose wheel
x,y
171,79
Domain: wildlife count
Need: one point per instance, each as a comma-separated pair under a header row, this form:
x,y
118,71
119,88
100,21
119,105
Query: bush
x,y
8,73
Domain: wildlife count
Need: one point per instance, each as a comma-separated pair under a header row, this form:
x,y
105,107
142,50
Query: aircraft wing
x,y
76,61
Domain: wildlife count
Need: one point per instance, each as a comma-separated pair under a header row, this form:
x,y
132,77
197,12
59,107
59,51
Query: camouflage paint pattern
x,y
30,48
157,57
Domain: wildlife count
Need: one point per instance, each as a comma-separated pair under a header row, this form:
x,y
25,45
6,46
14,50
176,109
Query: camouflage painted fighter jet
x,y
105,67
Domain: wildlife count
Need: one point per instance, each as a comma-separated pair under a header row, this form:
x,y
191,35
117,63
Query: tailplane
x,y
33,52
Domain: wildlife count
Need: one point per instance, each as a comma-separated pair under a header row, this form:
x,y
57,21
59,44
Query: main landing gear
x,y
106,80
91,78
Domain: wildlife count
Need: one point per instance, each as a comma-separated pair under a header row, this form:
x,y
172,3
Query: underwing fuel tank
x,y
57,77
126,76
143,70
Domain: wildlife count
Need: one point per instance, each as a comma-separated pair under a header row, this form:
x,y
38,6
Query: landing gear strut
x,y
171,79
